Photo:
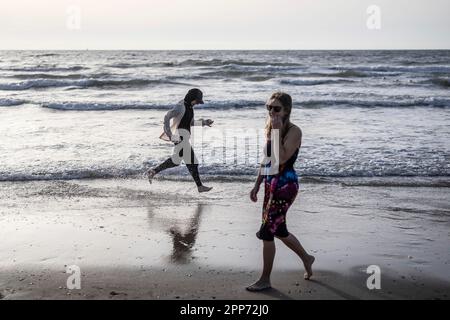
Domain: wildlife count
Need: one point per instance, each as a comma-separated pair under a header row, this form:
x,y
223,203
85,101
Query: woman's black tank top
x,y
289,164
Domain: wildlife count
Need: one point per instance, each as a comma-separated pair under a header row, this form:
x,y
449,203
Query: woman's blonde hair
x,y
286,101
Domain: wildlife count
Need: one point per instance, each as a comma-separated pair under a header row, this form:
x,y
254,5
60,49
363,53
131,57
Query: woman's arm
x,y
292,141
254,192
259,178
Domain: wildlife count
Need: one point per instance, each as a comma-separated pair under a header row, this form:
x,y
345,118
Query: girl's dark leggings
x,y
192,167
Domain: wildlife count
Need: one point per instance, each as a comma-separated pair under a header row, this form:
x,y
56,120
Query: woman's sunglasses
x,y
274,108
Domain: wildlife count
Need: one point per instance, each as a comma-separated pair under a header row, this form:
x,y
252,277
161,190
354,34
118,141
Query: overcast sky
x,y
224,24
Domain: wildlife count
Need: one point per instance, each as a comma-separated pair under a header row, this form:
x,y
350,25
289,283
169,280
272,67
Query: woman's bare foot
x,y
259,285
150,174
308,267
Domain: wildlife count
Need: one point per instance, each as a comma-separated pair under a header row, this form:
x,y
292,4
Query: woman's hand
x,y
253,194
277,122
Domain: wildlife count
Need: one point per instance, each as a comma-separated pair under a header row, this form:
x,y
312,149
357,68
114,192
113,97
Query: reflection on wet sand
x,y
183,238
183,242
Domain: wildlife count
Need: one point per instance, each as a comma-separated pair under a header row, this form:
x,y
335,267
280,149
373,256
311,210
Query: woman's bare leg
x,y
292,243
268,257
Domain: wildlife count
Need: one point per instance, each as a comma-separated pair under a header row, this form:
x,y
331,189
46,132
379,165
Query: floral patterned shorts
x,y
274,215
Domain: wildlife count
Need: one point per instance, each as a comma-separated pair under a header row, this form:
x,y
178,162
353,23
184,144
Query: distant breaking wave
x,y
11,102
45,69
92,106
219,62
388,102
236,104
45,55
276,72
311,82
202,63
441,82
406,69
77,76
84,83
125,65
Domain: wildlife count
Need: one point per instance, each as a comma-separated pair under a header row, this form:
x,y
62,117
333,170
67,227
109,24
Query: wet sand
x,y
165,241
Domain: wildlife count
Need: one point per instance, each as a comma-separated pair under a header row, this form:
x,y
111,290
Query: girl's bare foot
x,y
259,285
308,267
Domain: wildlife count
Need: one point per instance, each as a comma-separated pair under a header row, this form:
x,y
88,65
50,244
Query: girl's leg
x,y
163,166
193,170
268,257
292,243
193,167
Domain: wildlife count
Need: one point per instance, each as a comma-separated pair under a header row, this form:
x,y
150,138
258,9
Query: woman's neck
x,y
286,126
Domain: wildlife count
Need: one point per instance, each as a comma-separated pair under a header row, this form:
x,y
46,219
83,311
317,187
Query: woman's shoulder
x,y
295,130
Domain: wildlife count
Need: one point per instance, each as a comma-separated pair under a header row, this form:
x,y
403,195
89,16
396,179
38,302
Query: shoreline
x,y
369,181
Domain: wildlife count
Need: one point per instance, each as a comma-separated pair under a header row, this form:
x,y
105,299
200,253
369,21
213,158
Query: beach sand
x,y
132,240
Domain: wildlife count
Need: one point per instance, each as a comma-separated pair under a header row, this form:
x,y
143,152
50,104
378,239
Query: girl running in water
x,y
179,133
280,189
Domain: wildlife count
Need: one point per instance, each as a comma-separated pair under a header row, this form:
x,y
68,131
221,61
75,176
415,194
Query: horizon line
x,y
292,49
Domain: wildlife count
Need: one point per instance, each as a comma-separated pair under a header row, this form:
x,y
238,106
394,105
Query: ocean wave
x,y
245,176
70,175
103,106
441,82
387,102
202,63
95,106
126,65
349,74
403,69
6,102
259,78
389,181
85,83
247,74
231,71
435,81
77,76
41,55
220,62
242,104
45,69
310,82
389,174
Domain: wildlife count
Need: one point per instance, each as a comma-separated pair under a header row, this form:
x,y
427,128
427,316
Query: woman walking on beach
x,y
179,133
280,188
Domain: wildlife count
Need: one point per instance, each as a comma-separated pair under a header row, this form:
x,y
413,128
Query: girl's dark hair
x,y
286,101
193,94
